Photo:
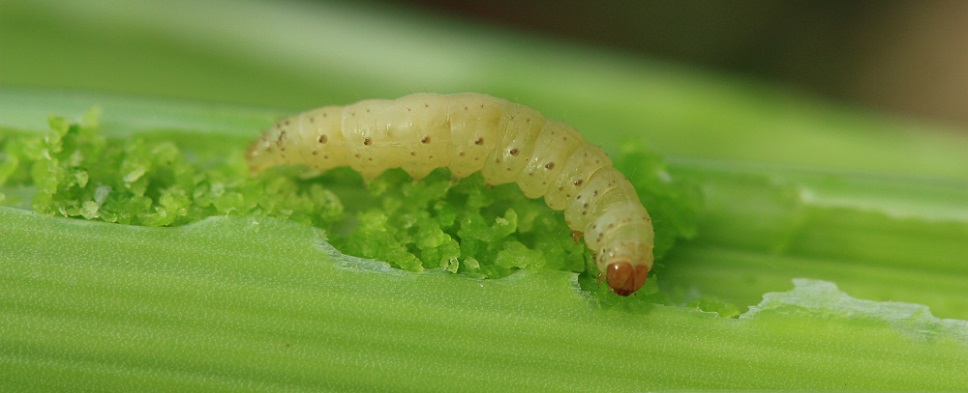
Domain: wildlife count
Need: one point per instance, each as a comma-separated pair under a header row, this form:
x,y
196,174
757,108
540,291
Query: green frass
x,y
461,226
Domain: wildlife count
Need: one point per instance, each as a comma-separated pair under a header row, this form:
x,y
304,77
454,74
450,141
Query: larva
x,y
466,133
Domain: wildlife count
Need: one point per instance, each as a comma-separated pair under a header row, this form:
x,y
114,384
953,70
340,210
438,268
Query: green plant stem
x,y
262,305
233,303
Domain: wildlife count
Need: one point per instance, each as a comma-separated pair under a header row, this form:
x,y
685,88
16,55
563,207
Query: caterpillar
x,y
505,141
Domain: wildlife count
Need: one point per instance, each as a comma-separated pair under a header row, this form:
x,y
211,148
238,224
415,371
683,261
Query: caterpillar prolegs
x,y
466,133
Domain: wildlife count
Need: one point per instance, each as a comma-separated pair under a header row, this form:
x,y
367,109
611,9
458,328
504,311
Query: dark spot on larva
x,y
357,155
430,157
413,153
595,193
497,160
367,110
508,169
514,151
561,188
370,159
325,114
312,119
367,141
460,154
409,110
579,182
528,120
544,183
466,108
479,141
549,166
585,205
326,156
578,198
281,137
286,122
426,105
322,138
315,152
425,140
612,225
482,105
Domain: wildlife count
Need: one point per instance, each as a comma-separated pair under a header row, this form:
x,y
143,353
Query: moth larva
x,y
466,133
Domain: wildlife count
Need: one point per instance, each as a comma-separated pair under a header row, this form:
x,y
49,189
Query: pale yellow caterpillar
x,y
466,133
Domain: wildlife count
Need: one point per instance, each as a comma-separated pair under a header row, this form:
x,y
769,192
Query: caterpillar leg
x,y
576,236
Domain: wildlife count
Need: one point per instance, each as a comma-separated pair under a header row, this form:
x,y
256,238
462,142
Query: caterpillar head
x,y
626,267
625,278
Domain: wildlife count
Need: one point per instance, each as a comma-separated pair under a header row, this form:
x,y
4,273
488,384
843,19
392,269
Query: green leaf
x,y
263,304
190,307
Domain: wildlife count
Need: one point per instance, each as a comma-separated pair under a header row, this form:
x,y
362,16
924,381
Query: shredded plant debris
x,y
462,226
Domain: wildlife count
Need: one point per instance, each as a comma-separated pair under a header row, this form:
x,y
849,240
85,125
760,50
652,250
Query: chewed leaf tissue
x,y
466,133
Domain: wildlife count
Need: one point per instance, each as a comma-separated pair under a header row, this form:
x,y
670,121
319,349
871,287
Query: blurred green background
x,y
900,56
905,57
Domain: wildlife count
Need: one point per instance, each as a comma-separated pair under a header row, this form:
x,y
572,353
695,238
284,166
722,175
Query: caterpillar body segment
x,y
472,119
467,133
